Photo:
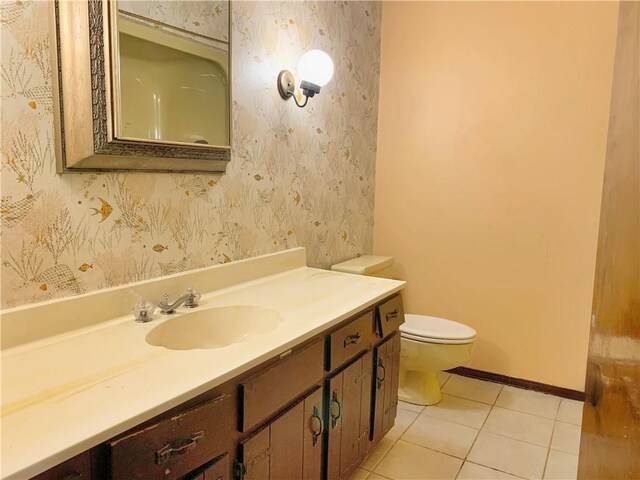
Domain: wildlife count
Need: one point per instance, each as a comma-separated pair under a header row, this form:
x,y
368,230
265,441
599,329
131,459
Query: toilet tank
x,y
371,265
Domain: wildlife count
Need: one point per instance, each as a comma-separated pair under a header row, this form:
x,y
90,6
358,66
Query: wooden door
x,y
313,430
349,417
288,448
385,391
286,445
610,444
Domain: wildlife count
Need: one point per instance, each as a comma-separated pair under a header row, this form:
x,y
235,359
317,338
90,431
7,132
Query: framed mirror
x,y
142,85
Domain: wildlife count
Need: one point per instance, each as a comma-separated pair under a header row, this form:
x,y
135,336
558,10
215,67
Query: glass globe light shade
x,y
315,67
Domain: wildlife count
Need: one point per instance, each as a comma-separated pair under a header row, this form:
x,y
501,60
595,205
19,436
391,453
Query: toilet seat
x,y
426,329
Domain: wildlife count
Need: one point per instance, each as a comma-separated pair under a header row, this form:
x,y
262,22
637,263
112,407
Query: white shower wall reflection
x,y
173,84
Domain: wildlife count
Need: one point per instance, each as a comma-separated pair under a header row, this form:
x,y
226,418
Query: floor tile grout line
x,y
393,444
546,460
445,382
474,442
483,424
495,469
527,413
480,430
522,441
463,458
382,457
453,421
471,399
460,468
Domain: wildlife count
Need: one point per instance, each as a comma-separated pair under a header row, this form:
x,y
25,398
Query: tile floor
x,y
480,430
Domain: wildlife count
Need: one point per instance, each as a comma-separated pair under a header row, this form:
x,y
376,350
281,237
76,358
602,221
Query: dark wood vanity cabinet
x,y
312,413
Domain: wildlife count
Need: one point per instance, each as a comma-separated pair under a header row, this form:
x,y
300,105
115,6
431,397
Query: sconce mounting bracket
x,y
286,84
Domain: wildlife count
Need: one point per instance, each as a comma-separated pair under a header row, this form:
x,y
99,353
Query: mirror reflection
x,y
172,67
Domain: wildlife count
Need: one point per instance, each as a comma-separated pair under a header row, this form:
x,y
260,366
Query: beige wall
x,y
491,141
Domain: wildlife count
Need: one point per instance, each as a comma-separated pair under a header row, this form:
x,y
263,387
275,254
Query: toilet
x,y
428,344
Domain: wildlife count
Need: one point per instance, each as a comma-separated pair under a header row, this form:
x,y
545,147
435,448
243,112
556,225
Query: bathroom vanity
x,y
306,400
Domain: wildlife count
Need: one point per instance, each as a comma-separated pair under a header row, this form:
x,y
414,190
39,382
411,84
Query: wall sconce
x,y
315,70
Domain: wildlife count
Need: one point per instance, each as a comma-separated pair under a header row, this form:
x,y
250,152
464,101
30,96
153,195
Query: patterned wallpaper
x,y
298,177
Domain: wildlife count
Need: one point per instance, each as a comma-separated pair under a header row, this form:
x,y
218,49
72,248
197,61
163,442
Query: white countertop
x,y
65,394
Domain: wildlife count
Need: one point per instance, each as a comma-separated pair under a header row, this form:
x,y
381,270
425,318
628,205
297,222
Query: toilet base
x,y
420,388
420,364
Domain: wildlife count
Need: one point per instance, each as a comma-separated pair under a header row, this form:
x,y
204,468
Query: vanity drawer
x,y
173,447
389,316
76,468
267,392
346,342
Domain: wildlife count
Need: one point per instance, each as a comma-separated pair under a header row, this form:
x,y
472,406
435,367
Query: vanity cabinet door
x,y
349,397
385,389
290,447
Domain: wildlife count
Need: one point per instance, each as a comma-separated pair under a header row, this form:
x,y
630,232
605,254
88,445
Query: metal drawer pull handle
x,y
392,314
179,447
73,476
336,412
384,373
316,434
352,340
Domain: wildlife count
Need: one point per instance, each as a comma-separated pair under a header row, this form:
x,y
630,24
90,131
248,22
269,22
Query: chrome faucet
x,y
190,299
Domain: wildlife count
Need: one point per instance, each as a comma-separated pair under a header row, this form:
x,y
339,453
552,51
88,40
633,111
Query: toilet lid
x,y
440,330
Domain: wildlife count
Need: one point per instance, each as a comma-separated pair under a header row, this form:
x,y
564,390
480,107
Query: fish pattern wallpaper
x,y
297,177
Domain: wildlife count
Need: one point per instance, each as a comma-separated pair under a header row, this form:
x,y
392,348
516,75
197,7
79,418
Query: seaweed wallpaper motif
x,y
298,177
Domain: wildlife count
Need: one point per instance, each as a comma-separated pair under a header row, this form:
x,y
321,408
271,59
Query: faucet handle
x,y
143,311
193,297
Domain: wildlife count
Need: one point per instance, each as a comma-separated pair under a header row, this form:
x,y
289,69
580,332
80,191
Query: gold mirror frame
x,y
83,87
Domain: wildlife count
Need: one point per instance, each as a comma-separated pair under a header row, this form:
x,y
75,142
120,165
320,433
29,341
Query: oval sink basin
x,y
214,327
